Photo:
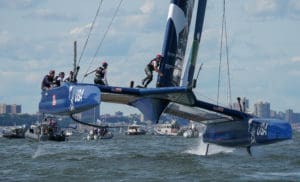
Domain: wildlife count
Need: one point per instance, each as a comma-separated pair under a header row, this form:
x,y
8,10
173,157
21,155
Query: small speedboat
x,y
171,129
99,133
194,130
14,132
135,129
48,129
191,133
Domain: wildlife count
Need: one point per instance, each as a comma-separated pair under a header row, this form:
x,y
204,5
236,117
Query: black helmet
x,y
104,64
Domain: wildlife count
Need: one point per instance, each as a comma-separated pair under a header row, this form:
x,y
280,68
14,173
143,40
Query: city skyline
x,y
37,36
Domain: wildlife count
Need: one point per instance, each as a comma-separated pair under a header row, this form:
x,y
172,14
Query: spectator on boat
x,y
48,80
59,79
152,66
100,74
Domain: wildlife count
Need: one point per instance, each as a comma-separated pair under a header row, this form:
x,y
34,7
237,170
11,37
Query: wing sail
x,y
190,63
176,37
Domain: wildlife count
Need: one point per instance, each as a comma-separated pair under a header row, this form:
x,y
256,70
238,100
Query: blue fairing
x,y
255,131
232,133
69,99
265,131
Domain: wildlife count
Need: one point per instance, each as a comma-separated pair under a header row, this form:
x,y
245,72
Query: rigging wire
x,y
199,71
220,54
104,36
228,66
90,31
224,34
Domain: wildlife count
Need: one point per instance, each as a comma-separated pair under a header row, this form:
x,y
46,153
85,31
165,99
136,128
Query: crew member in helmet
x,y
152,66
58,80
48,80
100,74
70,77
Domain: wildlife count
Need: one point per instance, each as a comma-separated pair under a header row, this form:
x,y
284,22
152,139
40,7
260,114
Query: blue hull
x,y
248,132
69,99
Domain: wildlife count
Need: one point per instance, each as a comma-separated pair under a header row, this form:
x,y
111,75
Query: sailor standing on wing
x,y
152,66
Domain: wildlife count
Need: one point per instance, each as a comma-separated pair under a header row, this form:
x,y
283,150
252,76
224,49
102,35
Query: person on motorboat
x,y
153,65
48,80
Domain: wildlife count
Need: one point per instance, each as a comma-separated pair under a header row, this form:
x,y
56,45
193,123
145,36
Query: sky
x,y
263,47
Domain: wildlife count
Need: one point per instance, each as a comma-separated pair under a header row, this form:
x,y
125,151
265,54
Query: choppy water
x,y
145,158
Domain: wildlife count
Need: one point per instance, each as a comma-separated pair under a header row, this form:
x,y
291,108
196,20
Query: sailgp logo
x,y
257,128
78,96
262,130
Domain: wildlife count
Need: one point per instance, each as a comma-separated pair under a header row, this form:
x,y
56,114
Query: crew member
x,y
47,82
59,79
152,66
100,74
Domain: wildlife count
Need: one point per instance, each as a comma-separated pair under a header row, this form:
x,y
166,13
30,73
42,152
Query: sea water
x,y
146,158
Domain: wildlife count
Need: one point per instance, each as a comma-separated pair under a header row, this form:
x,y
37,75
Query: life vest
x,y
151,64
100,72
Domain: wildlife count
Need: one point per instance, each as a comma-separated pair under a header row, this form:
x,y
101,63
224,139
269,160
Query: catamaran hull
x,y
69,99
247,133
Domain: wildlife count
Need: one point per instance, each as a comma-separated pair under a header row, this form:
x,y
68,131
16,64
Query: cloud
x,y
271,9
80,30
4,38
136,22
267,9
295,59
294,9
18,4
295,73
49,15
147,7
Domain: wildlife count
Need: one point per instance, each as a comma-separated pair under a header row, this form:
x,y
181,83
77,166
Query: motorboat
x,y
99,133
135,129
14,132
48,129
171,129
194,130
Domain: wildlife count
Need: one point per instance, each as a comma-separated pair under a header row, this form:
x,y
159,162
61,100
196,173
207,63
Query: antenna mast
x,y
75,67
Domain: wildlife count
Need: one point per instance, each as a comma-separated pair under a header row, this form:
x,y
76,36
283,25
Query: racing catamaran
x,y
174,92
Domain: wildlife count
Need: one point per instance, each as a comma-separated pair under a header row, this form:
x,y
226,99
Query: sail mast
x,y
75,66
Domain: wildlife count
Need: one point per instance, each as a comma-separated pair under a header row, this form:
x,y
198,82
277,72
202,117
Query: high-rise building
x,y
10,109
296,117
15,109
289,115
2,108
262,109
